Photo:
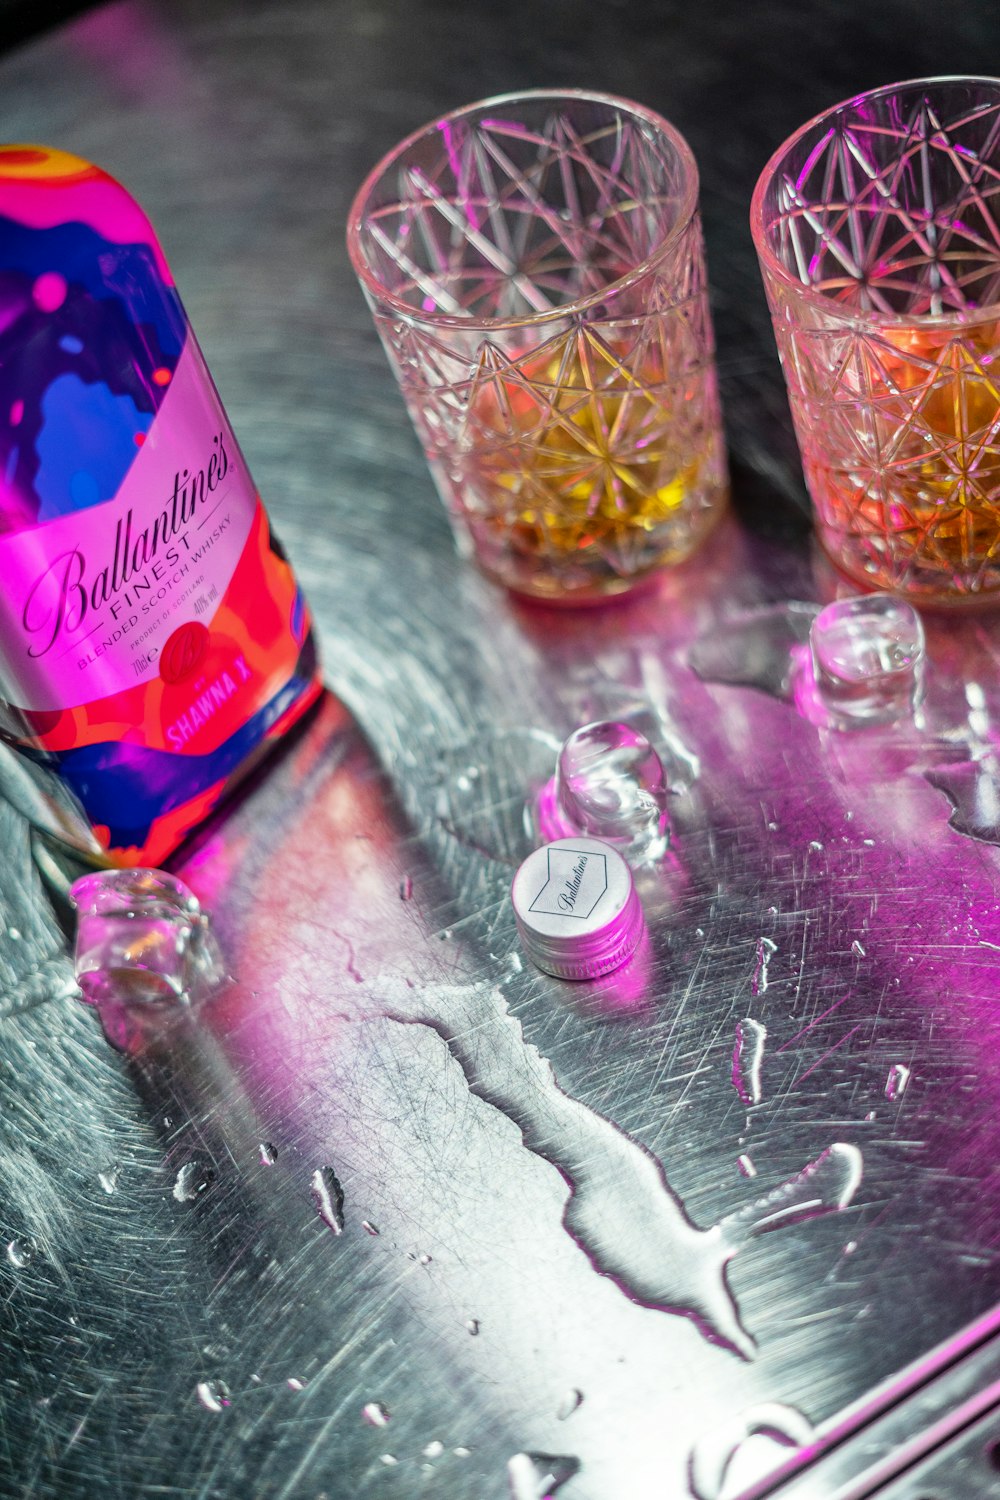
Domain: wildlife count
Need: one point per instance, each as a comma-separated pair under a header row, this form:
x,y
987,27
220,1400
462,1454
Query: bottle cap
x,y
576,908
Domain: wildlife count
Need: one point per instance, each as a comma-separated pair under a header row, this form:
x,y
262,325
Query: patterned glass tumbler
x,y
535,268
877,226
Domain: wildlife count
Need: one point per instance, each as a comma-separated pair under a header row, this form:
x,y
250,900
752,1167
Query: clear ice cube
x,y
868,660
141,937
609,784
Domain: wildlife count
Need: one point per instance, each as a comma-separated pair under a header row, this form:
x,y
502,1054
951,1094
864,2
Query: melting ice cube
x,y
141,937
868,660
609,784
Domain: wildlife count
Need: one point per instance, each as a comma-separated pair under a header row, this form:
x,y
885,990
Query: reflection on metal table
x,y
394,1213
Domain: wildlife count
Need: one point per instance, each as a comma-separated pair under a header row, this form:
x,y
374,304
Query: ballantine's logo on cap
x,y
576,881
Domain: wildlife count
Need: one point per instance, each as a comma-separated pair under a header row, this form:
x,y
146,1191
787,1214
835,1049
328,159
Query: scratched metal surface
x,y
569,1259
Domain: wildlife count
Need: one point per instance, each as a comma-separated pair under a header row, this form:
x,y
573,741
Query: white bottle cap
x,y
576,908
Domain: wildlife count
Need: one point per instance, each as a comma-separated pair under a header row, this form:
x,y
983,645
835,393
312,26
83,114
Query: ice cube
x,y
141,937
868,660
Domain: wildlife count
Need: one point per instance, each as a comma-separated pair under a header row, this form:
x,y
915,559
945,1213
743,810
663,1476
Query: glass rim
x,y
773,267
686,212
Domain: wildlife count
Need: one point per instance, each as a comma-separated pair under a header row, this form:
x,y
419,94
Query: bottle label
x,y
116,595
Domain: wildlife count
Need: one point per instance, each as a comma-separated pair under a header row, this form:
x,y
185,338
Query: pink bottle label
x,y
90,599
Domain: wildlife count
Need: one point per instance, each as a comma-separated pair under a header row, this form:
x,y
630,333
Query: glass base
x,y
595,581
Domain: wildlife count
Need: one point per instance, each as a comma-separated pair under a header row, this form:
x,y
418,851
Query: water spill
x,y
973,789
748,1058
213,1394
369,1228
715,1457
755,649
328,1196
824,1186
268,1154
108,1177
621,1209
746,1166
765,952
535,1476
570,1403
375,1414
895,1084
191,1181
20,1253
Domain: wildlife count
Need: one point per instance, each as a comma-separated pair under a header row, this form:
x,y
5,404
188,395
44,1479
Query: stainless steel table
x,y
395,1214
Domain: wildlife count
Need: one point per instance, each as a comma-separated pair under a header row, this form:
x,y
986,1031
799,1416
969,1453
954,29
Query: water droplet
x,y
858,950
14,933
472,1326
699,932
213,1394
405,888
388,1459
375,1414
746,1166
765,952
191,1181
328,1196
850,1247
825,1185
569,1404
895,1084
295,1384
20,1253
715,1457
434,1449
108,1177
369,1227
268,1154
816,846
461,1452
535,1476
609,784
748,1058
870,1116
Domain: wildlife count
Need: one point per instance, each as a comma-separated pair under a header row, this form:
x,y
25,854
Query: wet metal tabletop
x,y
395,1213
